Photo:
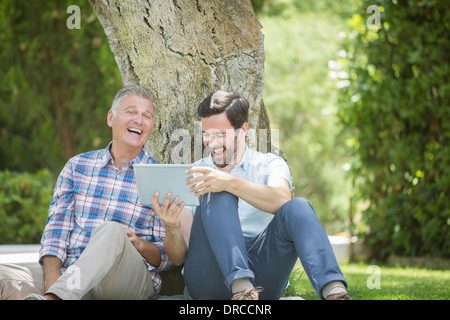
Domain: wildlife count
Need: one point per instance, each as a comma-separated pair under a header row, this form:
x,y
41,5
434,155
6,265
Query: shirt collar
x,y
245,159
142,156
107,158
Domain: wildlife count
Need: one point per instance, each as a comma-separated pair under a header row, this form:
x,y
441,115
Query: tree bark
x,y
182,51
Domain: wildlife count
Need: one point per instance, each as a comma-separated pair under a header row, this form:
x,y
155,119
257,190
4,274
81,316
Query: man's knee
x,y
17,282
218,198
108,226
109,229
298,208
297,203
219,201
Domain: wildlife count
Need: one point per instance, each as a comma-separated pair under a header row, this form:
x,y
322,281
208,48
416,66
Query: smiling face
x,y
226,143
131,124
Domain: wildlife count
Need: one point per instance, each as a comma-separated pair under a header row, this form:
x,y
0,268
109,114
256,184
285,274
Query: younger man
x,y
247,233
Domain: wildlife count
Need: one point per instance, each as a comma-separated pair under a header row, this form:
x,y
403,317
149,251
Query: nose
x,y
138,119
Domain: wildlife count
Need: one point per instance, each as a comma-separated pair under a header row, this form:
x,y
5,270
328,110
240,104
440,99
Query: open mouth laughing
x,y
218,152
135,131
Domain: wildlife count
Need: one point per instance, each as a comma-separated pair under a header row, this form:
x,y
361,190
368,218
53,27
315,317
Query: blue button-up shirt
x,y
89,191
256,167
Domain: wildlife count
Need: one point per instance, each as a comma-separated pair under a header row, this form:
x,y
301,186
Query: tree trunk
x,y
182,51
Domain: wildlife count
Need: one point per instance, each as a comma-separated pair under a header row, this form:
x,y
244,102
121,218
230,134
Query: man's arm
x,y
51,266
177,239
148,250
268,198
58,228
178,222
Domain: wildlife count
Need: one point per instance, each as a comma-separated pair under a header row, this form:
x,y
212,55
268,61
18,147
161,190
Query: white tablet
x,y
164,178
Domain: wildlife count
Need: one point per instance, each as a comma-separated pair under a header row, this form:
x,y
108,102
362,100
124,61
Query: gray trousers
x,y
109,268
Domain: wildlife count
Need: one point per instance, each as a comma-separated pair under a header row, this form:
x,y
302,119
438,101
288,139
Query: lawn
x,y
383,282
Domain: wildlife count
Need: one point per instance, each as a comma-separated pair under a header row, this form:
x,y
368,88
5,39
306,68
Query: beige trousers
x,y
109,268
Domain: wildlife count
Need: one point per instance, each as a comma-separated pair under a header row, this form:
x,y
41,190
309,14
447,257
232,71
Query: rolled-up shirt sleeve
x,y
165,264
60,221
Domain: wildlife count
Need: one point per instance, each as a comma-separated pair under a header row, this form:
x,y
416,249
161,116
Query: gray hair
x,y
135,89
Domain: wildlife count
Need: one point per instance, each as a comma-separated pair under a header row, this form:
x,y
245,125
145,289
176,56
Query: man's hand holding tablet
x,y
168,212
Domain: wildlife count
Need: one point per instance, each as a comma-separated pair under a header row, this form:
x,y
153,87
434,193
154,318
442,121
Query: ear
x,y
242,131
109,118
244,128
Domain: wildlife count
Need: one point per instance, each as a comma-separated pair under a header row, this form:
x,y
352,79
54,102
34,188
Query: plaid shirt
x,y
89,191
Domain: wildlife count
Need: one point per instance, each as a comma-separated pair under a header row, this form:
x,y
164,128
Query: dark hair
x,y
235,106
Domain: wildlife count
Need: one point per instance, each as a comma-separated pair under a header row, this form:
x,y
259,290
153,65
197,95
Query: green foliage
x,y
24,202
287,7
57,84
397,107
301,100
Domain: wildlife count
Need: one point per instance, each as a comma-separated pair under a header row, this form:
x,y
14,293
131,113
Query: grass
x,y
395,283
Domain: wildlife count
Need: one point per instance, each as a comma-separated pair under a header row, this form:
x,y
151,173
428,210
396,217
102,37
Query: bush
x,y
56,86
24,203
398,106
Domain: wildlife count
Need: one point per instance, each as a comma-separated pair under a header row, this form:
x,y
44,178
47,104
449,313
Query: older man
x,y
99,243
